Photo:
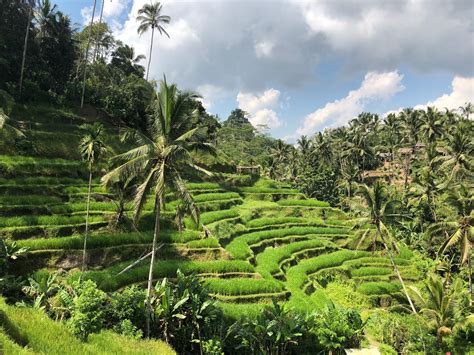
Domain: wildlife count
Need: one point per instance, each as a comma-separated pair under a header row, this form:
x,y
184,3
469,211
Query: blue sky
x,y
299,66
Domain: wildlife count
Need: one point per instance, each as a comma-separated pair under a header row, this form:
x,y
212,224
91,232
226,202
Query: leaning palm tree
x,y
163,152
5,125
380,210
31,5
150,17
459,231
91,146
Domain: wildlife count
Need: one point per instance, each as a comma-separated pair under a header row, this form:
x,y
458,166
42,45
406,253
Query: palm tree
x,y
461,230
87,54
304,146
457,158
97,44
163,152
46,17
91,146
466,110
125,58
432,125
31,5
439,302
411,125
4,124
380,209
150,17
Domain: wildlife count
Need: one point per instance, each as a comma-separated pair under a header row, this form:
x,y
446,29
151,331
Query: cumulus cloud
x,y
379,35
263,49
462,92
375,86
260,107
112,10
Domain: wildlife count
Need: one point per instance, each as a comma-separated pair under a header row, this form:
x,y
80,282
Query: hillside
x,y
263,239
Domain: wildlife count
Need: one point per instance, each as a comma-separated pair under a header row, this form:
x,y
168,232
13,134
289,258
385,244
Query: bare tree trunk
x,y
151,51
23,60
86,55
84,252
395,268
152,261
96,49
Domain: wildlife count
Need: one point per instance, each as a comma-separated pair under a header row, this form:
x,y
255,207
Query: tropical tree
x,y
46,17
467,110
457,156
432,126
91,147
4,124
86,54
439,302
411,126
380,210
163,152
125,59
459,231
97,39
31,6
150,16
41,287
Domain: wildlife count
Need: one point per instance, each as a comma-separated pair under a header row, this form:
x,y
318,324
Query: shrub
x,y
88,314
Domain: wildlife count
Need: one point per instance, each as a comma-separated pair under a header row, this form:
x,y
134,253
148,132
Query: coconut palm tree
x,y
46,17
159,160
438,303
411,126
466,110
459,231
457,158
380,210
87,54
97,42
4,124
31,6
432,125
150,16
91,147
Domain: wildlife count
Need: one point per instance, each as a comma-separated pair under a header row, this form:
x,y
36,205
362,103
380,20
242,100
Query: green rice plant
x,y
193,186
42,335
204,243
371,271
235,311
297,275
239,246
216,196
41,181
269,190
243,286
270,221
29,200
211,217
303,203
11,166
379,288
105,240
82,206
54,220
108,280
268,262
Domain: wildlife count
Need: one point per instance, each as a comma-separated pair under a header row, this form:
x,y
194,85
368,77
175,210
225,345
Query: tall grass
x,y
268,262
42,335
108,280
303,203
243,286
107,240
239,247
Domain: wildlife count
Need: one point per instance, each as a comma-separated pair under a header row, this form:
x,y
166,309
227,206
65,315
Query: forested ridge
x,y
134,221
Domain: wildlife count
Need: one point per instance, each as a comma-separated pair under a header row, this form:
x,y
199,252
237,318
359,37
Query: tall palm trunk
x,y
96,50
151,51
395,268
152,262
25,46
86,55
469,264
84,252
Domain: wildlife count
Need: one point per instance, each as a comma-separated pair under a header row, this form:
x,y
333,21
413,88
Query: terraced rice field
x,y
258,239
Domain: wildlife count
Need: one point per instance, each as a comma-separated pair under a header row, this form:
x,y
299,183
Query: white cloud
x,y
375,86
260,107
462,92
210,94
263,49
112,10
